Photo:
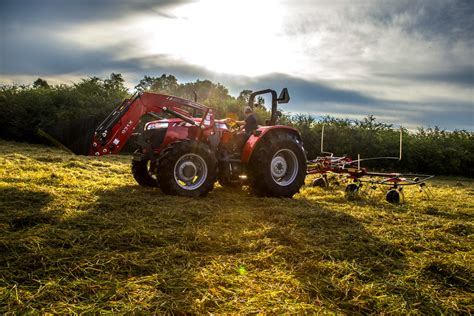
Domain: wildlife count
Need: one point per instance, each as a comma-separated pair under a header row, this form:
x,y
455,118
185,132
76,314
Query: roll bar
x,y
284,97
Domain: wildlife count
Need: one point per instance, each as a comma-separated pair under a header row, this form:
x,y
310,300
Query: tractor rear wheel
x,y
278,166
187,168
144,173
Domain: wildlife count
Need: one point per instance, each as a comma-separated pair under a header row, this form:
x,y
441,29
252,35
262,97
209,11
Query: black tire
x,y
279,154
144,173
320,182
187,168
393,196
352,191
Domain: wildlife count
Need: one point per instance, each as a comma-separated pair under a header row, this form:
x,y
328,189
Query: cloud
x,y
444,20
461,76
322,98
305,90
60,12
377,36
406,62
37,39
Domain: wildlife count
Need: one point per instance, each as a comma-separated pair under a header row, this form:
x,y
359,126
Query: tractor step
x,y
230,160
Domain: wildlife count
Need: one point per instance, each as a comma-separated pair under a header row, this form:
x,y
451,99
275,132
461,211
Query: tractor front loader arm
x,y
112,134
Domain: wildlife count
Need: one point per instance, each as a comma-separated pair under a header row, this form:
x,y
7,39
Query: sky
x,y
407,62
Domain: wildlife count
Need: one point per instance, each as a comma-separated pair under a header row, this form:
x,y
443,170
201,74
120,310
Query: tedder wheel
x,y
144,173
278,166
320,182
351,191
393,196
187,168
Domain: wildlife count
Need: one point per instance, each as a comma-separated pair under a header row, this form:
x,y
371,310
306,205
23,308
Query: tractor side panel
x,y
176,133
265,131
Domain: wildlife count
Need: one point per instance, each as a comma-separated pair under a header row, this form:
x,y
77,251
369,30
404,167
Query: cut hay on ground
x,y
77,234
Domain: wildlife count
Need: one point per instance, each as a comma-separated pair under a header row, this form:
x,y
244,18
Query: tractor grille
x,y
155,137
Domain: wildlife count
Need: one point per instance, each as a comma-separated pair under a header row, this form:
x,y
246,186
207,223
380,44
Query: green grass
x,y
77,234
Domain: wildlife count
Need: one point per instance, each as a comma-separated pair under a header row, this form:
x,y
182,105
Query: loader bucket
x,y
75,135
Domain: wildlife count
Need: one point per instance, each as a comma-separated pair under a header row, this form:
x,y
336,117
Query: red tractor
x,y
185,150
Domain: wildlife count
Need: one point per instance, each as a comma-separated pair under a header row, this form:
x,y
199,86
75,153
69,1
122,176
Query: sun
x,y
236,37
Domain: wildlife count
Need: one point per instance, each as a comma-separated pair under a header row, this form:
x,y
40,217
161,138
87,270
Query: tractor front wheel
x,y
278,166
144,173
187,168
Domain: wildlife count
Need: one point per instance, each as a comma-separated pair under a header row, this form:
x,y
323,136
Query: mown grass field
x,y
77,234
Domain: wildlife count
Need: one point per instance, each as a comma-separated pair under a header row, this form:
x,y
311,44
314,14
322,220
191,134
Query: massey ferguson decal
x,y
125,129
207,120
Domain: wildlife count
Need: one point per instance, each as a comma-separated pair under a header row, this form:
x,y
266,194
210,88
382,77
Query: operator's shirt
x,y
250,123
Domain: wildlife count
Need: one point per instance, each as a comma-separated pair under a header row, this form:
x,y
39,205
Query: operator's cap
x,y
248,109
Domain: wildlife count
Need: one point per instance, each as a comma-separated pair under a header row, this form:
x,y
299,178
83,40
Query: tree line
x,y
26,108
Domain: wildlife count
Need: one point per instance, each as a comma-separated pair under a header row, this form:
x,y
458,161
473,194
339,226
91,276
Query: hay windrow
x,y
77,235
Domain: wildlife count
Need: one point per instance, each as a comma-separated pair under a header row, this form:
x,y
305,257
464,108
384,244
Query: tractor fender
x,y
261,133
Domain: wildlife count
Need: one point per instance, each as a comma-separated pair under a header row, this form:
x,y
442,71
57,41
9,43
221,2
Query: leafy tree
x,y
25,108
115,82
244,96
40,83
145,83
166,84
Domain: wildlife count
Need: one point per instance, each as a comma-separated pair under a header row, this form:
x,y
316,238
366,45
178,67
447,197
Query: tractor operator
x,y
249,125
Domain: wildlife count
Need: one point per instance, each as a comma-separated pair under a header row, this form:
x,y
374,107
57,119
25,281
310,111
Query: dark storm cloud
x,y
445,119
46,57
461,76
305,90
28,30
57,12
156,65
30,46
320,99
450,20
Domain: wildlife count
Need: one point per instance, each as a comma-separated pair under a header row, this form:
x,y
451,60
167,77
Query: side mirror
x,y
284,96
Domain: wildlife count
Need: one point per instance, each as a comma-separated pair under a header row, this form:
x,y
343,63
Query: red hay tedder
x,y
361,178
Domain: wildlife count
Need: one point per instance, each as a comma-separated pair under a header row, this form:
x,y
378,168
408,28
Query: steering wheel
x,y
233,126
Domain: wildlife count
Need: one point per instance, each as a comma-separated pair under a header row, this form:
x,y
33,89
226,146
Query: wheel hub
x,y
279,166
284,167
190,171
187,171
